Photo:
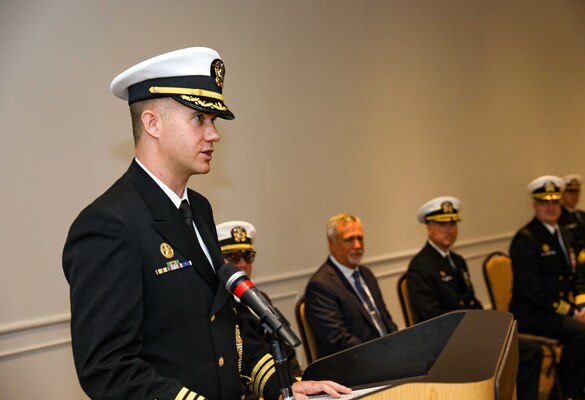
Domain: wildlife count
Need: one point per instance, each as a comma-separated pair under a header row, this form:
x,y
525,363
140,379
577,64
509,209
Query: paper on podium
x,y
353,395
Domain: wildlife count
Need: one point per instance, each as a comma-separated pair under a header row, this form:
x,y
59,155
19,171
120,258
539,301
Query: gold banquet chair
x,y
307,335
498,275
405,304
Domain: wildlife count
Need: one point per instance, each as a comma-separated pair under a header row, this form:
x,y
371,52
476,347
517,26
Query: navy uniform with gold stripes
x,y
573,220
542,293
149,319
438,279
436,287
438,282
146,321
236,241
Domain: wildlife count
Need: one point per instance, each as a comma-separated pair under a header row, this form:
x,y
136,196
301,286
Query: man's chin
x,y
202,169
355,260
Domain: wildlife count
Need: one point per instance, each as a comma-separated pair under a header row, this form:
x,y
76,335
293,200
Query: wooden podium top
x,y
471,353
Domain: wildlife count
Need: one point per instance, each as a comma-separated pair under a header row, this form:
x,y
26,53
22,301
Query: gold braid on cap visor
x,y
546,196
444,218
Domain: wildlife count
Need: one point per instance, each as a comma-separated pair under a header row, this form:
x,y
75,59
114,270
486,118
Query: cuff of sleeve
x,y
580,300
262,382
562,307
186,394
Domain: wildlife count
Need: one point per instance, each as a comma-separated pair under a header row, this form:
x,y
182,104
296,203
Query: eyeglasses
x,y
235,257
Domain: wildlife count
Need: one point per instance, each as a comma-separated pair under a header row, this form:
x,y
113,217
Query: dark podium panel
x,y
470,354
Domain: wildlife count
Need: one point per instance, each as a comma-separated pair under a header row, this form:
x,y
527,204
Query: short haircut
x,y
339,219
161,105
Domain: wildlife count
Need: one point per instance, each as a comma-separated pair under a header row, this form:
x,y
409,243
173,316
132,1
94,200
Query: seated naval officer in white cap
x,y
438,278
572,218
236,240
543,287
438,282
149,318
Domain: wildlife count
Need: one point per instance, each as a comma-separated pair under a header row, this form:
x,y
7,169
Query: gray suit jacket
x,y
336,313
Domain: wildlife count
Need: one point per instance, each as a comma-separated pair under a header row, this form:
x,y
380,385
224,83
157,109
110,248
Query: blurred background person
x,y
543,264
236,240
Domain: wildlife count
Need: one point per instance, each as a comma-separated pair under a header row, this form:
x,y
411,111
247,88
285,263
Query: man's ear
x,y
330,243
150,121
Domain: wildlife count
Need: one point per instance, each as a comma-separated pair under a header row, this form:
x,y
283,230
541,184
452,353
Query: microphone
x,y
237,282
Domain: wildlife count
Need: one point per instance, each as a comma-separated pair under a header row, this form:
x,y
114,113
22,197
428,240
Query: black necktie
x,y
562,243
185,209
450,261
368,304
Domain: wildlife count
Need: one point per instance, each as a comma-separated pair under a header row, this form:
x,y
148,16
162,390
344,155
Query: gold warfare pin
x,y
166,250
545,248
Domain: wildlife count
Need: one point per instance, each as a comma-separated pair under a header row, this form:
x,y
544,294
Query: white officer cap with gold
x,y
440,209
573,182
546,188
236,236
193,76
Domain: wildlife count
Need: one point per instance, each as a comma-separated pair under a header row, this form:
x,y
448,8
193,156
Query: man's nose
x,y
212,134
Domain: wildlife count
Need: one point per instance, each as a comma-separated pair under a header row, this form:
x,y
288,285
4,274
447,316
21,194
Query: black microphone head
x,y
228,274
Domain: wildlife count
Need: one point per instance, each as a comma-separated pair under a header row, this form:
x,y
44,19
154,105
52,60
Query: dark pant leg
x,y
572,365
571,333
528,377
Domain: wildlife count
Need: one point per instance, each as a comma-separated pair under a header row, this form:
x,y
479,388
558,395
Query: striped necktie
x,y
367,302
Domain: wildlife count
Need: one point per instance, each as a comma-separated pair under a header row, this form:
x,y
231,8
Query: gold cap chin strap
x,y
188,91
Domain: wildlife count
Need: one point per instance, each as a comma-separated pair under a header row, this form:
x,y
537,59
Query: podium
x,y
468,354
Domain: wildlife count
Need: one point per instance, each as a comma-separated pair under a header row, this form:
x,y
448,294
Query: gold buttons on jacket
x,y
212,317
220,362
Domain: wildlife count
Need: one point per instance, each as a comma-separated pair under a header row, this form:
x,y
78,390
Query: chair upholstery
x,y
498,275
307,335
407,310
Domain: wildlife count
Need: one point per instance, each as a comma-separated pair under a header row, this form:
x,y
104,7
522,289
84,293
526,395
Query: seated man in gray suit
x,y
344,303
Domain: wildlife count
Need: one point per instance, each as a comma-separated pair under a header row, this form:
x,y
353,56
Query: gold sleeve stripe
x,y
563,308
190,395
262,372
259,364
580,299
182,394
188,91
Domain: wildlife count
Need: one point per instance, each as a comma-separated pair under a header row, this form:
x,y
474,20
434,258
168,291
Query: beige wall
x,y
370,107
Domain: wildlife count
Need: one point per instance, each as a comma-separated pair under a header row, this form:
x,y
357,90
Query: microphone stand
x,y
281,367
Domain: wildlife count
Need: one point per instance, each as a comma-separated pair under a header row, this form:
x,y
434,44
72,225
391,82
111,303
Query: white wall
x,y
369,107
